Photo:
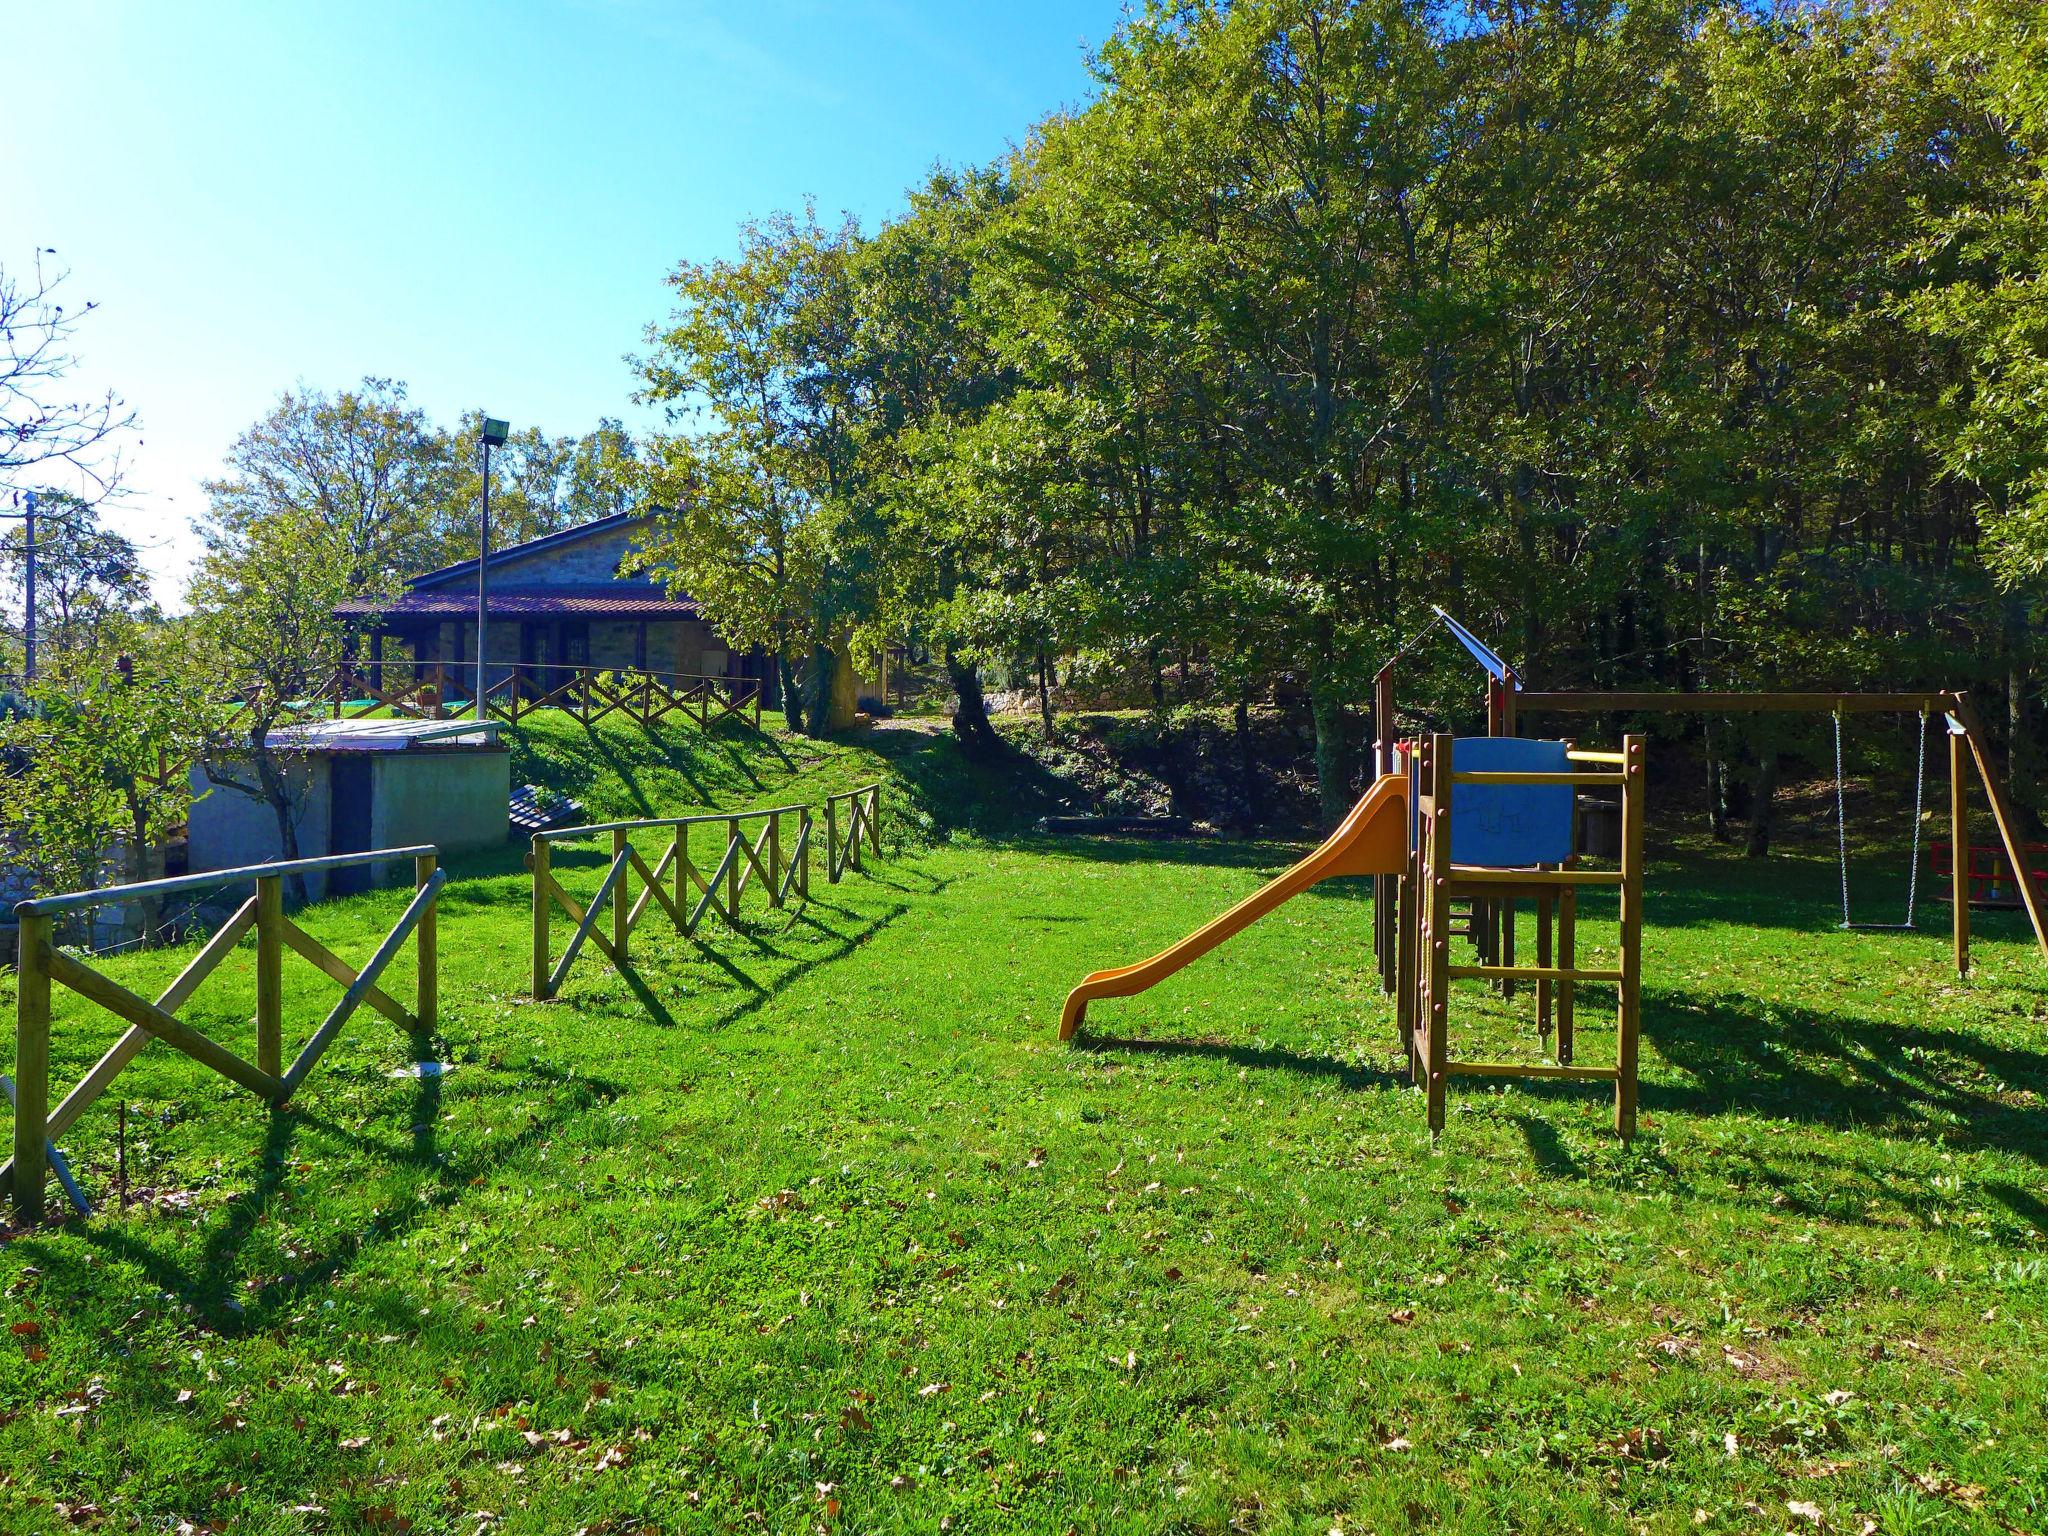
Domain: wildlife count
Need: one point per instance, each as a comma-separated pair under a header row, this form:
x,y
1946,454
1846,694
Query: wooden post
x,y
269,974
1568,958
775,858
1406,918
31,1066
2001,813
1629,1020
1385,902
831,840
541,876
1436,958
427,938
1544,906
803,869
732,870
684,895
875,818
1959,850
622,893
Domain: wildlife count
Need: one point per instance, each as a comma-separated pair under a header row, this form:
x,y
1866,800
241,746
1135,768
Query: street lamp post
x,y
28,624
494,434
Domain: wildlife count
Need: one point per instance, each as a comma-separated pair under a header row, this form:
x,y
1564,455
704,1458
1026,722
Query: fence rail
x,y
859,812
432,689
43,966
768,848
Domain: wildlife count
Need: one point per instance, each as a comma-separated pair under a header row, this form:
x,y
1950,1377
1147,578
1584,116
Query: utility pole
x,y
494,434
28,551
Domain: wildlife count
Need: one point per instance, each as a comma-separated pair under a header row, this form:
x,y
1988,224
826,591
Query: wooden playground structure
x,y
1453,858
1435,834
1455,832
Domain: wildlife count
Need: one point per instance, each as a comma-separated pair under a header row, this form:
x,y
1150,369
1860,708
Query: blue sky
x,y
478,199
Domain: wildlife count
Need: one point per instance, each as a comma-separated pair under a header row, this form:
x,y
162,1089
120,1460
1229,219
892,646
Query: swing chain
x,y
1842,825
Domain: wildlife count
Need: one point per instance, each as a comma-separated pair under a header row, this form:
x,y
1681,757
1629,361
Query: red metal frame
x,y
1989,872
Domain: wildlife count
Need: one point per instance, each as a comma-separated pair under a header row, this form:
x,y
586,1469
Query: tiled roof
x,y
613,600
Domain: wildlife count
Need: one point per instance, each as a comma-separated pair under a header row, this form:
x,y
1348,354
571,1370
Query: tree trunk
x,y
1333,751
1717,784
1760,814
792,695
1247,766
137,862
818,680
1044,699
970,711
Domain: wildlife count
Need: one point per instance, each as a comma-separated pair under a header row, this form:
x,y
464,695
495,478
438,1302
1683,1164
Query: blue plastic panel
x,y
1505,826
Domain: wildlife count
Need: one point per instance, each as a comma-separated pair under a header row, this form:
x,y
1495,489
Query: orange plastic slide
x,y
1373,840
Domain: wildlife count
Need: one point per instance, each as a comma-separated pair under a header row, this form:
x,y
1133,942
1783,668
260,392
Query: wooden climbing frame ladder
x,y
1434,882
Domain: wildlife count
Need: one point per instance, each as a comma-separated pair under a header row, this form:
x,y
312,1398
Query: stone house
x,y
557,604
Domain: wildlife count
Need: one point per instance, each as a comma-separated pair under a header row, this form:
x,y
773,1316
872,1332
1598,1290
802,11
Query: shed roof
x,y
386,735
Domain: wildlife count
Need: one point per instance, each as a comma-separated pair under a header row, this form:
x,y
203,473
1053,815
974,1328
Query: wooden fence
x,y
591,693
42,964
859,813
770,849
436,689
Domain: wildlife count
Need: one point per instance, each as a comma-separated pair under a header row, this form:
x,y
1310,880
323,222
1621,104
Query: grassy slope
x,y
814,1224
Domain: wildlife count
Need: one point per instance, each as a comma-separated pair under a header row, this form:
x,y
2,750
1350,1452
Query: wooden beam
x,y
1959,849
171,999
1463,875
269,974
177,1034
587,927
309,1057
31,1063
304,945
1733,703
1531,1069
2001,812
537,861
427,983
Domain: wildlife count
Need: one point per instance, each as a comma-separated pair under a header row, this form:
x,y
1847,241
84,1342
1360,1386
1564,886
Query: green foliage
x,y
391,495
104,749
91,587
1693,344
771,515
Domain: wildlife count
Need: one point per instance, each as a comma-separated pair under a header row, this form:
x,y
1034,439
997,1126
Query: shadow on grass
x,y
1262,1058
212,1281
1799,1064
843,942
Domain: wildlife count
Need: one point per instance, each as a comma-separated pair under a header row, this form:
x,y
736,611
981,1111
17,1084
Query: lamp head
x,y
495,432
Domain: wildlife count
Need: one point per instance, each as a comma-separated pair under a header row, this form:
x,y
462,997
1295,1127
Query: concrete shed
x,y
360,784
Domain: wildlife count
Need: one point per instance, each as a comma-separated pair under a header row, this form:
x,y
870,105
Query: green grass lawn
x,y
814,1226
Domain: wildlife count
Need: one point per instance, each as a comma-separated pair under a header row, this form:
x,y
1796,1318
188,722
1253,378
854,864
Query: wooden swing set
x,y
1968,748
